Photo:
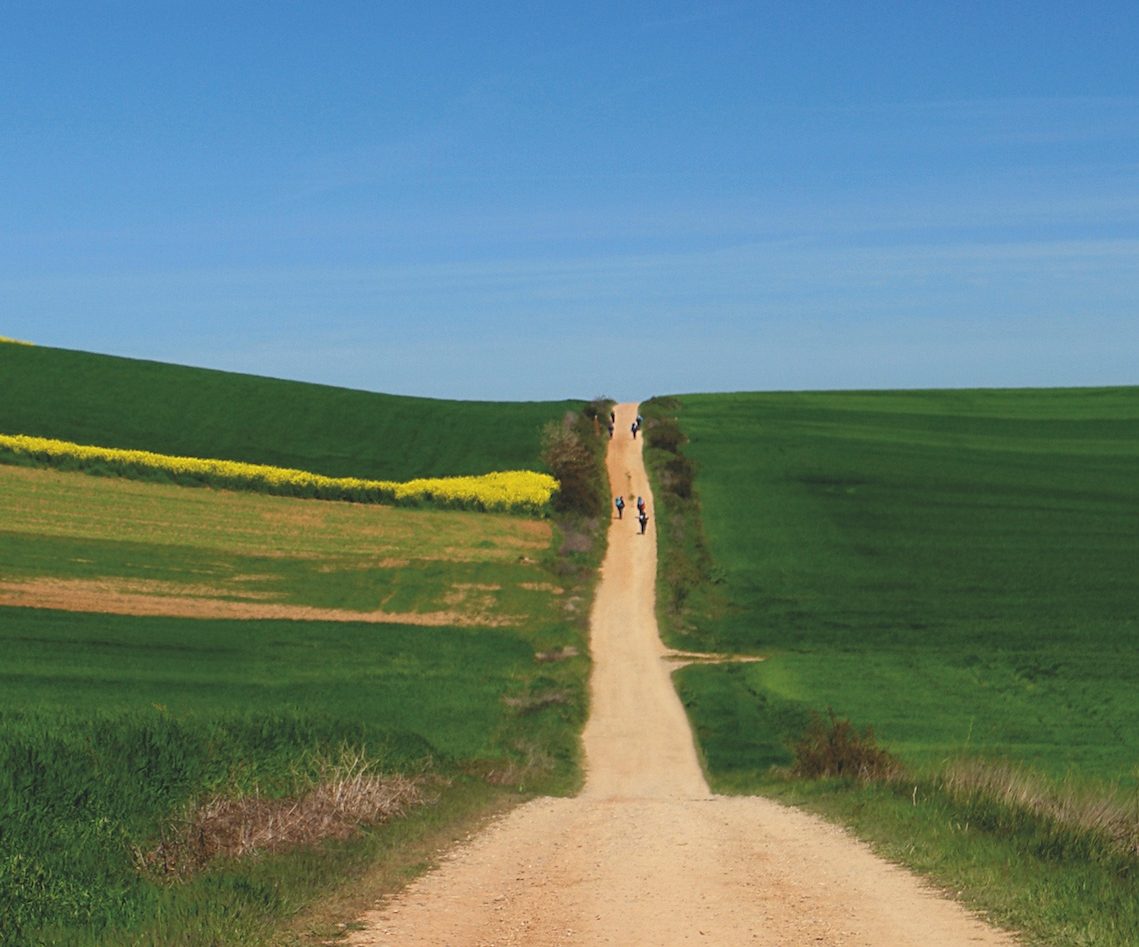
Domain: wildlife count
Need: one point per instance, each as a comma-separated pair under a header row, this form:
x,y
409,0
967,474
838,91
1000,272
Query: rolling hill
x,y
118,402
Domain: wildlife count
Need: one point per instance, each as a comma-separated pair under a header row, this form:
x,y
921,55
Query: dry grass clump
x,y
529,762
533,702
226,827
557,654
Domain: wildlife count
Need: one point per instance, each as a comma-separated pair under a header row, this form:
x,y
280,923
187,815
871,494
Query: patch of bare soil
x,y
646,854
679,659
134,598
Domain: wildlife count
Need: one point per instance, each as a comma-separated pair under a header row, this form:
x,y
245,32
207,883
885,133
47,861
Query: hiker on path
x,y
633,428
610,430
643,519
640,504
620,504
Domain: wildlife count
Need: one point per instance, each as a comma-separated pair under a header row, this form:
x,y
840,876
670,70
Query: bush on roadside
x,y
686,578
574,453
598,408
677,475
663,433
835,748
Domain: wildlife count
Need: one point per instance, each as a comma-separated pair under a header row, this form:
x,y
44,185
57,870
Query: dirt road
x,y
646,855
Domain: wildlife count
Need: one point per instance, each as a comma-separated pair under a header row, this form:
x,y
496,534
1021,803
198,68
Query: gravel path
x,y
646,854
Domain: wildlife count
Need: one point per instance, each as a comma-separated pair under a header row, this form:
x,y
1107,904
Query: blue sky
x,y
530,201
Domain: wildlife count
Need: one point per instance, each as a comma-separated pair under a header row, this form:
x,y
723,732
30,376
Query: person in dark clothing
x,y
633,428
620,504
643,519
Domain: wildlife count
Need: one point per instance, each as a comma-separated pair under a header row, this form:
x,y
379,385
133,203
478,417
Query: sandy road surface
x,y
646,855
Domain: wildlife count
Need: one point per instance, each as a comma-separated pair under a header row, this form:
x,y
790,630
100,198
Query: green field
x,y
168,648
108,401
115,724
956,569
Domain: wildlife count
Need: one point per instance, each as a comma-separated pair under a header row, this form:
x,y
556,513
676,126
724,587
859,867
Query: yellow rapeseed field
x,y
514,490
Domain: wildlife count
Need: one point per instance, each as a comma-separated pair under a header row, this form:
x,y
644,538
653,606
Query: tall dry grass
x,y
1069,819
1101,815
350,796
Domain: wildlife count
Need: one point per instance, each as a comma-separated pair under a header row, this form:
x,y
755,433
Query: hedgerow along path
x,y
645,854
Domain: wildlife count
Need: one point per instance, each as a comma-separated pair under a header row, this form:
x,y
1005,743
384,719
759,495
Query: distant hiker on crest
x,y
620,504
612,417
633,428
610,430
640,421
643,519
